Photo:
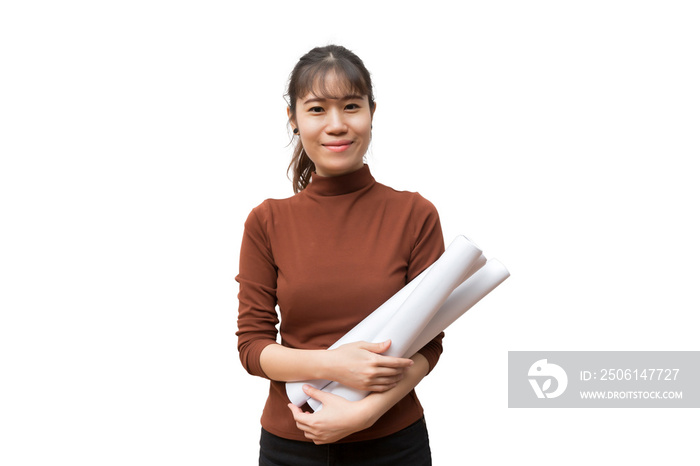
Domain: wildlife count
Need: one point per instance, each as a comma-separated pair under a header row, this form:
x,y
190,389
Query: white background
x,y
562,137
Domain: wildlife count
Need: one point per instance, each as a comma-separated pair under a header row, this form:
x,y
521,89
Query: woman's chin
x,y
338,168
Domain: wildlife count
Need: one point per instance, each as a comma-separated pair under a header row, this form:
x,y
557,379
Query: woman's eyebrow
x,y
323,99
314,99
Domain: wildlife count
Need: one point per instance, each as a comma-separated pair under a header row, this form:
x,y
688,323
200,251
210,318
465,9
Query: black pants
x,y
407,447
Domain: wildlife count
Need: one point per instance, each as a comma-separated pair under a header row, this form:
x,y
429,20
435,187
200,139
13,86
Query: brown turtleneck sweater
x,y
328,257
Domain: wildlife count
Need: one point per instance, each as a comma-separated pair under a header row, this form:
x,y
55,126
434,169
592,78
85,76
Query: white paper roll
x,y
466,295
481,283
366,330
419,308
447,273
417,302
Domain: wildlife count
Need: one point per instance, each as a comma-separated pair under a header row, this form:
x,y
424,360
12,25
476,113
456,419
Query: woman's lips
x,y
337,146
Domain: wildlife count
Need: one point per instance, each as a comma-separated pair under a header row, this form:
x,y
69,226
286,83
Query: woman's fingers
x,y
378,348
302,419
381,388
338,418
317,394
386,361
387,372
361,365
395,363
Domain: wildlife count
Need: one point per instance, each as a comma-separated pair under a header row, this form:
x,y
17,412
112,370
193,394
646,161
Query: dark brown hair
x,y
309,75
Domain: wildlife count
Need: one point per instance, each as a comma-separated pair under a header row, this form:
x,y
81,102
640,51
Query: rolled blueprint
x,y
481,283
416,304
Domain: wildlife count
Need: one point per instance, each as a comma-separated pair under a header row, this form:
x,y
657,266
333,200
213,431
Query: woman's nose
x,y
335,122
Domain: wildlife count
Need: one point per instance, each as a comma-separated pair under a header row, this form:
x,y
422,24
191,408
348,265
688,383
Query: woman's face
x,y
335,132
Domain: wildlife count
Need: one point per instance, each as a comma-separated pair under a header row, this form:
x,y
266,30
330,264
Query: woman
x,y
328,256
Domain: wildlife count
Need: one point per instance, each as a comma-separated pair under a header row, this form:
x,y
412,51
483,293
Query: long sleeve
x,y
257,317
428,247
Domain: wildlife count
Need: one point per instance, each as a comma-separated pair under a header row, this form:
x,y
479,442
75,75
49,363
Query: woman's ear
x,y
291,120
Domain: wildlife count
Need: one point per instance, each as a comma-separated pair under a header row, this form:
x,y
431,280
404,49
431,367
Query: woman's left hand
x,y
338,418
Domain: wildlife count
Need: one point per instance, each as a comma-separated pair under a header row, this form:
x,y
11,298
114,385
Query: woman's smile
x,y
337,146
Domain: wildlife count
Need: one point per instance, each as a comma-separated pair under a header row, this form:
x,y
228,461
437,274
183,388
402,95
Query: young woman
x,y
328,256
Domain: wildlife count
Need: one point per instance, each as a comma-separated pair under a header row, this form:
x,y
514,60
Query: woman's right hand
x,y
361,365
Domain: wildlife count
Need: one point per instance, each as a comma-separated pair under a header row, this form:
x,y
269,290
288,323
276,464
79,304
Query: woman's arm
x,y
340,418
359,365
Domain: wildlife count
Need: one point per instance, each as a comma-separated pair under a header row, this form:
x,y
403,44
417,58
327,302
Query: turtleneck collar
x,y
337,185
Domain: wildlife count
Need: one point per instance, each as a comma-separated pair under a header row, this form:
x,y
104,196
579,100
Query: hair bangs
x,y
331,79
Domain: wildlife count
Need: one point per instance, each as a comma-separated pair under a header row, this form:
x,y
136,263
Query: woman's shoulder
x,y
411,198
269,203
263,212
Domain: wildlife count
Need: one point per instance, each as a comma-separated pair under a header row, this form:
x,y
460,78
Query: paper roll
x,y
417,302
366,330
466,295
447,273
421,305
481,283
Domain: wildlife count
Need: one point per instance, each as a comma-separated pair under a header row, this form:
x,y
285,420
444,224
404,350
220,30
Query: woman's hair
x,y
309,75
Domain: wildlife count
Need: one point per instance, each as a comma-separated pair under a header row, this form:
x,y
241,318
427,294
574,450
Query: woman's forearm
x,y
293,365
376,404
358,365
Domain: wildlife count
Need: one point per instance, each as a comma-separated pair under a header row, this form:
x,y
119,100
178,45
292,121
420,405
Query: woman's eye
x,y
316,109
352,107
